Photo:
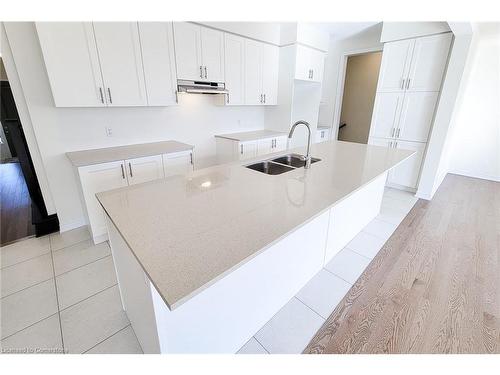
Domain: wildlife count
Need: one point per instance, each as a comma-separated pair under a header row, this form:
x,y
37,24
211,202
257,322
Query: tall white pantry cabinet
x,y
409,84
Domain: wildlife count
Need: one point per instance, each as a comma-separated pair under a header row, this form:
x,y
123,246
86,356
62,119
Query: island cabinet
x,y
97,176
221,316
247,145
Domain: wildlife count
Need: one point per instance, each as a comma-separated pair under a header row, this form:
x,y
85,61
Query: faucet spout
x,y
307,157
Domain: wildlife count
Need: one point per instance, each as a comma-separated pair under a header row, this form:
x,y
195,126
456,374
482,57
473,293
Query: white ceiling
x,y
344,29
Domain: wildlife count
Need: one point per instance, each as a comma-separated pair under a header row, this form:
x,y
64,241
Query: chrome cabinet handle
x,y
312,73
397,133
392,133
191,155
408,83
264,98
227,97
396,144
123,171
201,71
402,83
130,169
241,149
390,144
206,75
109,94
102,96
261,98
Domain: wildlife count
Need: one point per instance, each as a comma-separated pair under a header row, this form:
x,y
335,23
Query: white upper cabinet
x,y
386,113
270,71
428,63
309,64
212,54
187,39
395,64
234,65
261,73
121,64
199,52
72,64
416,116
157,44
253,72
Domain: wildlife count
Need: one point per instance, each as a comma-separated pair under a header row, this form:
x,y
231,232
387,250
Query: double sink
x,y
281,164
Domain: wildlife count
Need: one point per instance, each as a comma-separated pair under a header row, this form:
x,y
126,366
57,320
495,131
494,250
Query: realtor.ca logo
x,y
32,351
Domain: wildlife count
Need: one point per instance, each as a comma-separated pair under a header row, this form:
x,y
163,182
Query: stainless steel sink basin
x,y
280,165
268,167
294,160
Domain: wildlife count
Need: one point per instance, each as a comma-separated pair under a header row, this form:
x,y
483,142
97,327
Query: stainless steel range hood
x,y
199,87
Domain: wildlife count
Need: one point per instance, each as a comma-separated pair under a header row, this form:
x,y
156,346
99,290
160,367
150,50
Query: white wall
x,y
59,130
475,141
369,38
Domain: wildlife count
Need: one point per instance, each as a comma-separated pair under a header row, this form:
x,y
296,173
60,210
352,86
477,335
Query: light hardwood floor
x,y
435,285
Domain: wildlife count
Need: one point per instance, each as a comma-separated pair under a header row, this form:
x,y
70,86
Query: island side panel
x,y
223,317
352,214
135,291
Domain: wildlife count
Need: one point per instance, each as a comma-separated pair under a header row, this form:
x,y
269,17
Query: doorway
x,y
360,87
22,208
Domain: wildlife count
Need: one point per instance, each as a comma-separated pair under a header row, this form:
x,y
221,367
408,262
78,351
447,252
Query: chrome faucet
x,y
307,158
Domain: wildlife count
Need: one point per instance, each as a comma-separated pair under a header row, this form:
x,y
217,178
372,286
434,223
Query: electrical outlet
x,y
109,131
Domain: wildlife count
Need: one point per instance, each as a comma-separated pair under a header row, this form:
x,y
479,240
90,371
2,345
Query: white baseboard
x,y
482,176
64,227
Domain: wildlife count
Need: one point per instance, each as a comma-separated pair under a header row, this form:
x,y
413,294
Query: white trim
x,y
340,84
482,176
73,225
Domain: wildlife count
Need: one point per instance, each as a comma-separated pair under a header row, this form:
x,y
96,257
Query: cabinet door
x,y
428,63
417,115
95,179
72,64
121,65
381,142
144,169
178,164
212,55
187,40
234,67
270,72
317,65
396,58
157,45
386,113
265,146
247,150
280,143
253,72
303,63
407,173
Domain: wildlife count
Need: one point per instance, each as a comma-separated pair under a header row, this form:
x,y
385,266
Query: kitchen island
x,y
205,260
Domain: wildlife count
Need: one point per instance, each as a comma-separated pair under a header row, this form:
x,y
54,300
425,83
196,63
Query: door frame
x,y
341,82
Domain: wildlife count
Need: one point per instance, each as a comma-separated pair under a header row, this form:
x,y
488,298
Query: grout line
x,y
31,325
364,256
23,289
258,342
310,308
73,244
100,342
26,260
86,298
83,265
334,274
57,296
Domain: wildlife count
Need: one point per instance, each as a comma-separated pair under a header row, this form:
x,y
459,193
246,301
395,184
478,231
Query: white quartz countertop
x,y
252,136
187,232
108,154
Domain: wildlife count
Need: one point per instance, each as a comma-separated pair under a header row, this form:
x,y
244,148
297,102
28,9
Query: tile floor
x,y
59,293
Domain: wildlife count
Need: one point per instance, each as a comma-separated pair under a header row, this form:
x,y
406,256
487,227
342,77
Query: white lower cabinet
x,y
94,179
144,169
408,172
177,163
101,177
231,149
